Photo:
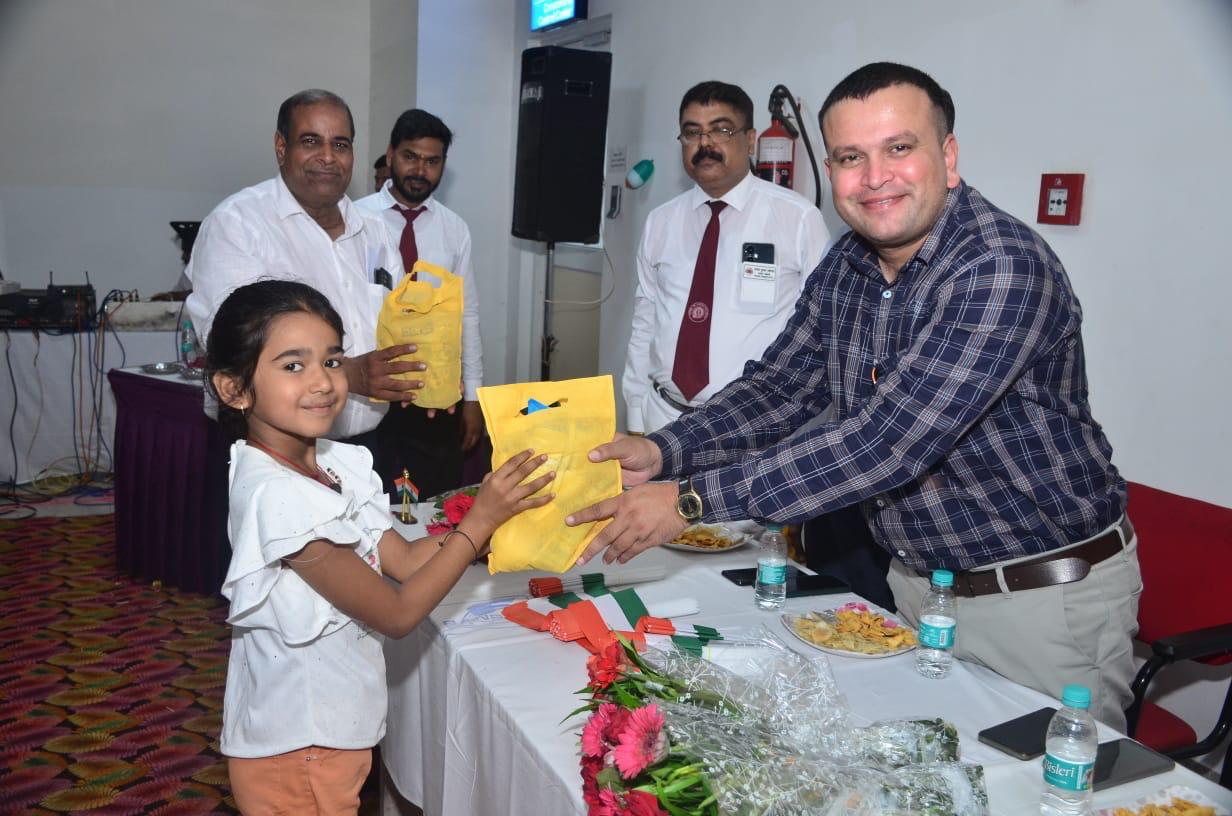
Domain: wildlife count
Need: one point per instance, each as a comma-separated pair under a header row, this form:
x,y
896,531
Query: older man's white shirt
x,y
262,233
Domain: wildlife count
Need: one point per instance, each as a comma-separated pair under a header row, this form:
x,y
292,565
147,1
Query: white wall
x,y
121,115
394,38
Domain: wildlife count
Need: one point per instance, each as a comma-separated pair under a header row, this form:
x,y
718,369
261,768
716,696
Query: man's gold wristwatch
x,y
688,502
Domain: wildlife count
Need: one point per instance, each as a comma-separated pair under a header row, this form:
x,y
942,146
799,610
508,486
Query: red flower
x,y
590,789
439,527
641,803
457,506
606,667
609,804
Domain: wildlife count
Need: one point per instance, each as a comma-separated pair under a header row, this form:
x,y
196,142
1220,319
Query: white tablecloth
x,y
53,393
475,711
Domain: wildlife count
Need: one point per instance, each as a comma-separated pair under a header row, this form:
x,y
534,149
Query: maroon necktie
x,y
691,368
407,246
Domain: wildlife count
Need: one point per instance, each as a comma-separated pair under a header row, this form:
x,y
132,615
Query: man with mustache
x,y
946,336
698,313
301,226
429,443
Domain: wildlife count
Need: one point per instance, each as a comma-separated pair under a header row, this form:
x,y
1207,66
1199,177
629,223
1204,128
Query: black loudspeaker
x,y
562,130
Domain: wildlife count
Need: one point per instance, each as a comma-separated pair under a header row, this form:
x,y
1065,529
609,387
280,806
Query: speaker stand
x,y
549,342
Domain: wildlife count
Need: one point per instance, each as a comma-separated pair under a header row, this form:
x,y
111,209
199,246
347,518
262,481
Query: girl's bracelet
x,y
456,531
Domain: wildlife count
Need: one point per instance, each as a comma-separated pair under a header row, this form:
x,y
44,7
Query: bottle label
x,y
937,632
1066,775
772,574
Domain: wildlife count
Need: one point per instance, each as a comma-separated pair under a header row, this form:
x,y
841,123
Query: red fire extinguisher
x,y
776,153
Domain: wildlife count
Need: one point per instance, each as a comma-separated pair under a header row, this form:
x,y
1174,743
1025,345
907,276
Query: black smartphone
x,y
747,576
757,253
1021,737
799,585
1125,760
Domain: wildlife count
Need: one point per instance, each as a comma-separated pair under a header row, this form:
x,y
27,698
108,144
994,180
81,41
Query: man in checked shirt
x,y
947,336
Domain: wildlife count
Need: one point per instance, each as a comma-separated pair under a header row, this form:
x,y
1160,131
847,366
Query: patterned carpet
x,y
110,689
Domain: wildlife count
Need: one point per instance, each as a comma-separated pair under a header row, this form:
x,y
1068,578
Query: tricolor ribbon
x,y
592,620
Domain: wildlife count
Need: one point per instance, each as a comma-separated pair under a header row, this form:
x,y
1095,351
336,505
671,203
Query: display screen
x,y
549,13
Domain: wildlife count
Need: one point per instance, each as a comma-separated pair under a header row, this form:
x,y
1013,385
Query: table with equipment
x,y
477,710
58,400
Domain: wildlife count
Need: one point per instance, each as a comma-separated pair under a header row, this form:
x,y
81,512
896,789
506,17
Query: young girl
x,y
311,539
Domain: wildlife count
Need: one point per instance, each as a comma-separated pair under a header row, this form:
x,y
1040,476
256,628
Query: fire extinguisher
x,y
776,152
776,147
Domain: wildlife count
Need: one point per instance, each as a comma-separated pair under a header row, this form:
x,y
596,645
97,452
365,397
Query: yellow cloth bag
x,y
430,317
583,415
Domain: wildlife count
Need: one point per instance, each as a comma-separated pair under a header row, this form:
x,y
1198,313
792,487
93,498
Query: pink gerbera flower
x,y
642,742
593,743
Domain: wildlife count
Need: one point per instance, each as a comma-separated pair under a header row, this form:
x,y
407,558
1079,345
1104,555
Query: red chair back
x,y
1185,552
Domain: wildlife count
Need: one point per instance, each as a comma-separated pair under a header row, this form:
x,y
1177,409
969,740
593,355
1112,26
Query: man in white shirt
x,y
301,226
719,268
429,443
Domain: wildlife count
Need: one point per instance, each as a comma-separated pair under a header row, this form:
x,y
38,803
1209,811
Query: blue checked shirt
x,y
974,445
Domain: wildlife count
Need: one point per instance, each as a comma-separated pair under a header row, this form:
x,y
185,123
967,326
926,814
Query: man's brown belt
x,y
1059,567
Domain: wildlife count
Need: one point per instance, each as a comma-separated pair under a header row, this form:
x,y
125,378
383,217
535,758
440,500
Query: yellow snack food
x,y
1177,807
854,628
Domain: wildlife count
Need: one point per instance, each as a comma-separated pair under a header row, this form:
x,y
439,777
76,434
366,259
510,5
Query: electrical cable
x,y
603,299
777,95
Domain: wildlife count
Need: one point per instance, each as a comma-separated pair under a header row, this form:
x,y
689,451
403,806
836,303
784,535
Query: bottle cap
x,y
943,578
1076,696
774,528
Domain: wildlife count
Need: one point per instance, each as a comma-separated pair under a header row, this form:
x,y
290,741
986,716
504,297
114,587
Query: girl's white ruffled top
x,y
301,672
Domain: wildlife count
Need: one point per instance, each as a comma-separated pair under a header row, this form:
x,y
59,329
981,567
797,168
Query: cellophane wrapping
x,y
777,737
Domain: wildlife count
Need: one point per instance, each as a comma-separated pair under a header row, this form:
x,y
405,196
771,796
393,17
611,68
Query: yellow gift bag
x,y
565,420
430,316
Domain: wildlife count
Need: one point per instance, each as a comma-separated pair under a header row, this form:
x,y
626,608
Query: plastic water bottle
x,y
937,618
770,590
1069,757
188,343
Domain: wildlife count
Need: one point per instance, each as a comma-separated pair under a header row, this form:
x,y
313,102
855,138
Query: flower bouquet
x,y
754,729
450,508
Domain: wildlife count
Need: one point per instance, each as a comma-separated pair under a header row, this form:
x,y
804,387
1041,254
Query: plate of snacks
x,y
852,630
1176,800
707,538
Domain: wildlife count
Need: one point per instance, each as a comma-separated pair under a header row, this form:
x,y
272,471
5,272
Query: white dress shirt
x,y
757,212
442,238
301,671
263,233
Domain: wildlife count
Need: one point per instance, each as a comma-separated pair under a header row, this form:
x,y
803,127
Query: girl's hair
x,y
239,332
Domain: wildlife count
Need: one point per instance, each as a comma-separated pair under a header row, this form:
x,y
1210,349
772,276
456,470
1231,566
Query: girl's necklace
x,y
326,477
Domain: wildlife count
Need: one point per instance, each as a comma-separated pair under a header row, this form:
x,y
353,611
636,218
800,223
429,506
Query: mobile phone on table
x,y
1125,760
1022,737
798,584
748,575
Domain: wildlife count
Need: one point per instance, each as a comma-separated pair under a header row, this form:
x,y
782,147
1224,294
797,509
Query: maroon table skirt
x,y
170,463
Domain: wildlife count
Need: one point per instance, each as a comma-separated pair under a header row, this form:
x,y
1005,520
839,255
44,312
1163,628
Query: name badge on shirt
x,y
758,277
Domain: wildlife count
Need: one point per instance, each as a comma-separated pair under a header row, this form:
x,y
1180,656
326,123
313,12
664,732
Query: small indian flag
x,y
406,488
